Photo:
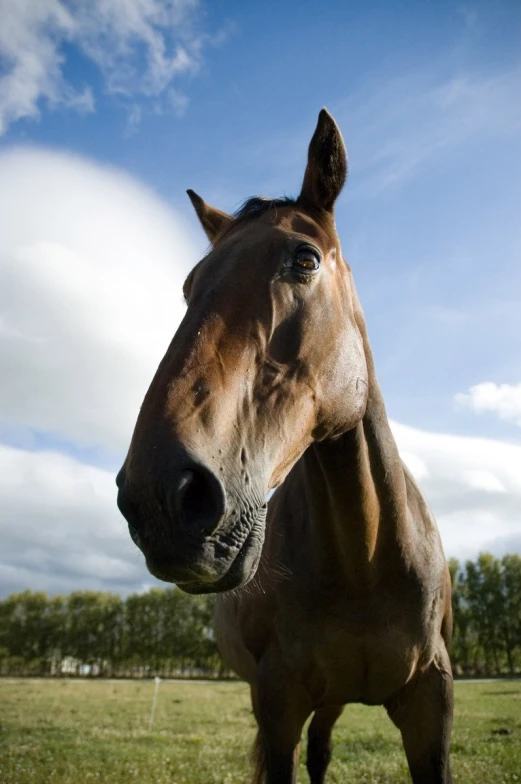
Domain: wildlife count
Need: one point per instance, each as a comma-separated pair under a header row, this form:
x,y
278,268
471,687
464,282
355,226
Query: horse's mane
x,y
259,205
254,208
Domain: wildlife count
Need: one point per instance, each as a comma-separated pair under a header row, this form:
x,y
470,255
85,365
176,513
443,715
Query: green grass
x,y
76,732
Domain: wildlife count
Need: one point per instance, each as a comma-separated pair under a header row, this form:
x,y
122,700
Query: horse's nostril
x,y
198,500
181,493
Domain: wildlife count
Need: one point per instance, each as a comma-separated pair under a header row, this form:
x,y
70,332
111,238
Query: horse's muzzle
x,y
188,536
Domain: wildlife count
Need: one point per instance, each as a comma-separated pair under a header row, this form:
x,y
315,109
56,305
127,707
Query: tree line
x,y
161,632
169,633
486,606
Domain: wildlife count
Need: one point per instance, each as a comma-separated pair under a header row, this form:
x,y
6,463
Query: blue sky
x,y
223,97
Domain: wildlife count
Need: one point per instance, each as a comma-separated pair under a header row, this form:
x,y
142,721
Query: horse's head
x,y
268,358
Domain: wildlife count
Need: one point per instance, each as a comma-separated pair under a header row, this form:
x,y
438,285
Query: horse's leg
x,y
320,744
422,711
280,714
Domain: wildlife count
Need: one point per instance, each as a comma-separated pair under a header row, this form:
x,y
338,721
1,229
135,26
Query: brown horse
x,y
340,593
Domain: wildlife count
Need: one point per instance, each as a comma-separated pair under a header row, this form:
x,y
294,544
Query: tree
x,y
464,640
511,611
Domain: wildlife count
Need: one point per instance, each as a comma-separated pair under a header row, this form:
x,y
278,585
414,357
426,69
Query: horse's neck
x,y
357,498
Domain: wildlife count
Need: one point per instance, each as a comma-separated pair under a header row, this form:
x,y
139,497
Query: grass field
x,y
77,731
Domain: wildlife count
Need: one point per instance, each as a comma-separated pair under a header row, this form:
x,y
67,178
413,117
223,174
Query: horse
x,y
337,590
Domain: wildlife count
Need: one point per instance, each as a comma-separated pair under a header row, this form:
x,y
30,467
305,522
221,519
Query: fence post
x,y
157,681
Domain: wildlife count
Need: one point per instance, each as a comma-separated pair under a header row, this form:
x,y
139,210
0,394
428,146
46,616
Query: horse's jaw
x,y
225,560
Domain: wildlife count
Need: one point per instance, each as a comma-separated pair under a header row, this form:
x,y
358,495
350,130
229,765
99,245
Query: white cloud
x,y
501,399
91,270
415,464
141,48
473,486
113,33
29,36
60,527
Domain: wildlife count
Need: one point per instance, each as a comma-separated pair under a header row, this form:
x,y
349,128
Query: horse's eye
x,y
306,260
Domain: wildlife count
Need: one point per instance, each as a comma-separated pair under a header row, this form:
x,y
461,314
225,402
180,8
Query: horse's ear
x,y
213,221
326,171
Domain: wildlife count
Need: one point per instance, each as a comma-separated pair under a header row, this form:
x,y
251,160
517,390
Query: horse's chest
x,y
353,653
